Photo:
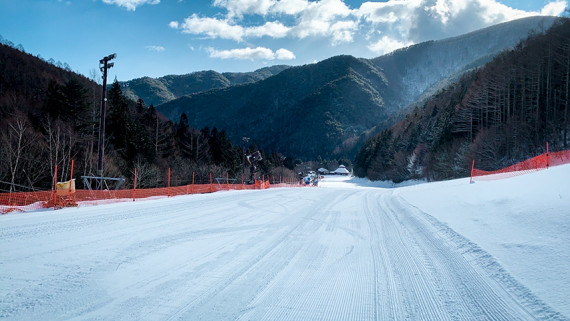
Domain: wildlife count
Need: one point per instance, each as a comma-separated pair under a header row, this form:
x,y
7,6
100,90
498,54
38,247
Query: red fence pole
x,y
192,182
55,187
472,167
168,182
227,181
547,156
211,187
135,185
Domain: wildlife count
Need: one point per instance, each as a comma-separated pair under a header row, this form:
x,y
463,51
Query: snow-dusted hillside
x,y
343,251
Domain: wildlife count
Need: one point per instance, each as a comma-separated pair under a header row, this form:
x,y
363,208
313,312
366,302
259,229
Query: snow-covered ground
x,y
347,250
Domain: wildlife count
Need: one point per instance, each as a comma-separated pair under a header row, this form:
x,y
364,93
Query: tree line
x,y
498,115
50,116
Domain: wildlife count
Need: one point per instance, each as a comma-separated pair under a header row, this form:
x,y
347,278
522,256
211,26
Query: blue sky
x,y
160,37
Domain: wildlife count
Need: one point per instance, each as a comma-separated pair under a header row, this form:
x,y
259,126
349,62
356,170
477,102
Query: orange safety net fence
x,y
30,201
534,164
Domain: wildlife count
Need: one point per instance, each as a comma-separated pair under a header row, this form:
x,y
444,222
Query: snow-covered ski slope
x,y
452,250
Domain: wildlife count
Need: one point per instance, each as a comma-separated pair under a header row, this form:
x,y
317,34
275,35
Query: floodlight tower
x,y
104,64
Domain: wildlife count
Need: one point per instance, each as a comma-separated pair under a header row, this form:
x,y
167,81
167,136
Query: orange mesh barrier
x,y
28,201
534,164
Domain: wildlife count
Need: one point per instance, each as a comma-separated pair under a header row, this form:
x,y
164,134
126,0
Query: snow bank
x,y
357,182
524,222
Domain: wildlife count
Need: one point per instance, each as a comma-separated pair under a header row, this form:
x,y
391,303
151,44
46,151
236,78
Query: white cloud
x,y
554,8
212,28
155,48
343,31
259,53
386,45
270,29
284,54
237,8
326,18
415,21
384,25
289,7
225,29
131,4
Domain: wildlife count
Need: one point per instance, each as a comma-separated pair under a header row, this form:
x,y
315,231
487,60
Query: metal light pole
x,y
104,64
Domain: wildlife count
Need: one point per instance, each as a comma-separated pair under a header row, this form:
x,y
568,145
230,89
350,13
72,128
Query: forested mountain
x,y
423,69
49,116
329,109
303,110
155,91
498,115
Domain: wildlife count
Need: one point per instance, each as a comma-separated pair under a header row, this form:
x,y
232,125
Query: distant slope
x,y
160,90
329,109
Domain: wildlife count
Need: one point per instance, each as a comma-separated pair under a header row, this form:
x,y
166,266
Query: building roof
x,y
341,170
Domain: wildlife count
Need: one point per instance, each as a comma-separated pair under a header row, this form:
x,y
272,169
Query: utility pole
x,y
244,140
104,64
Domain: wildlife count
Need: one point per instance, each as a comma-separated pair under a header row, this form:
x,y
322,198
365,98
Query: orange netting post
x,y
227,181
547,156
168,188
55,187
70,182
211,186
192,182
472,167
135,185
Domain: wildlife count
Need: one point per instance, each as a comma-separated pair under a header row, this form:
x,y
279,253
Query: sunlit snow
x,y
346,250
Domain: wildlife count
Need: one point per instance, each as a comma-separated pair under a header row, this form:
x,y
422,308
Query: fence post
x,y
70,182
211,186
472,167
227,181
168,188
547,156
135,185
55,188
192,182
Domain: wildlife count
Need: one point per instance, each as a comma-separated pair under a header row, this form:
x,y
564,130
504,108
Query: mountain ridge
x,y
392,78
155,91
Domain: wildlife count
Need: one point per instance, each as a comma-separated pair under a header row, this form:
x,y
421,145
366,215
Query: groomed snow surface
x,y
347,250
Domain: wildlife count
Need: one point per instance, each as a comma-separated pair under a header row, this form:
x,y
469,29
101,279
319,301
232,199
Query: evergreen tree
x,y
117,122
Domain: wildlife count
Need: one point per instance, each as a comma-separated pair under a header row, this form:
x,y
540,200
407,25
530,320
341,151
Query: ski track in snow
x,y
279,254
